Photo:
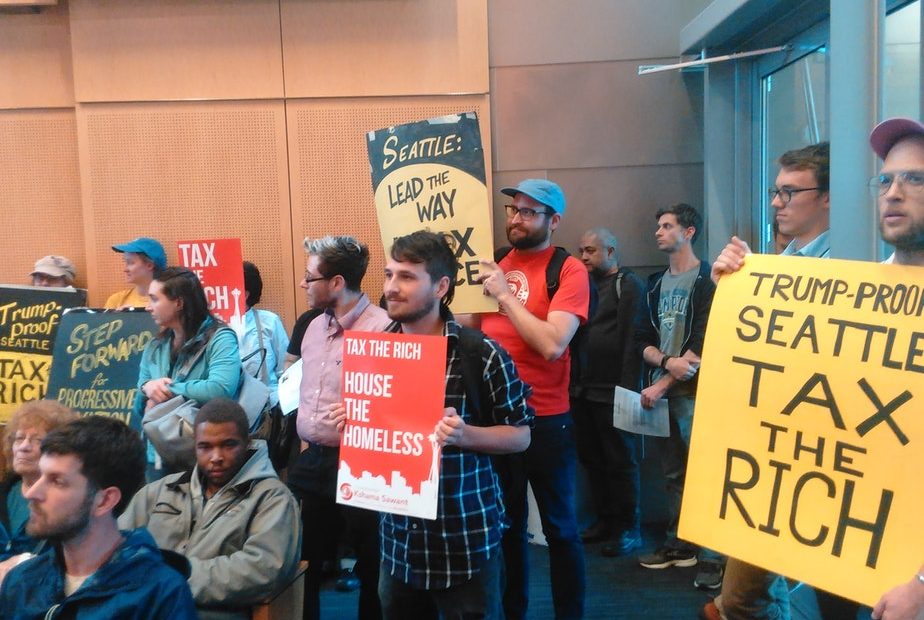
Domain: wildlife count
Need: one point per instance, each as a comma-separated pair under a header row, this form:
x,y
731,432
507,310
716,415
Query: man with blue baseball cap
x,y
144,258
537,316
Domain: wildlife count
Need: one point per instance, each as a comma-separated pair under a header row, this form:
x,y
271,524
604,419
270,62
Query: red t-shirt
x,y
525,272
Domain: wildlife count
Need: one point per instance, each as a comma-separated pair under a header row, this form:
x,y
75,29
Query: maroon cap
x,y
888,132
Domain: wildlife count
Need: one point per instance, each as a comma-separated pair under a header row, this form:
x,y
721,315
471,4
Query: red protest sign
x,y
219,265
394,389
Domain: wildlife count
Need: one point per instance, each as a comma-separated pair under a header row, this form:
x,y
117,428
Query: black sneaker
x,y
709,575
666,557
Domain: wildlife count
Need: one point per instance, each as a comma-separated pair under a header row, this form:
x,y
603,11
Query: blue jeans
x,y
549,465
479,597
674,451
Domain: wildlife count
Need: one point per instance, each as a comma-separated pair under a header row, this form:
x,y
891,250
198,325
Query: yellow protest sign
x,y
29,320
431,175
808,437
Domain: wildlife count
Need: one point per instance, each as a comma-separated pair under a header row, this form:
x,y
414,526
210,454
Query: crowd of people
x,y
528,394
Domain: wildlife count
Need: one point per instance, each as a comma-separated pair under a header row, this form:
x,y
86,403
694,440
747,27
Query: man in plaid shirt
x,y
451,565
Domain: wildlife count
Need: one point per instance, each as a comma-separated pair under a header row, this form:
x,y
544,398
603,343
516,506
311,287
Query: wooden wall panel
x,y
618,119
185,171
621,199
338,48
35,60
331,183
156,50
625,201
537,32
39,192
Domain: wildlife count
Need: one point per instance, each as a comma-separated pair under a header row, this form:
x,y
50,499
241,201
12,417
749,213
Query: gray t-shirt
x,y
673,308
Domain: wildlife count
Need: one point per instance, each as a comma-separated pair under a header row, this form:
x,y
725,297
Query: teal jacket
x,y
207,366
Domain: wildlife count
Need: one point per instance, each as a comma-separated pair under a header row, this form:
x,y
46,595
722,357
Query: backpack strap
x,y
264,375
477,394
552,269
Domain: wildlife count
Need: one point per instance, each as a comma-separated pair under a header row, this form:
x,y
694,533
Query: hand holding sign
x,y
336,418
904,602
731,259
450,431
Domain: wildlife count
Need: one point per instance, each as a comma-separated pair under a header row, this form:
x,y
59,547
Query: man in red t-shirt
x,y
536,331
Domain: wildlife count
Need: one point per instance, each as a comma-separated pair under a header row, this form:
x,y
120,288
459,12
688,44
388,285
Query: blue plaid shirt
x,y
469,520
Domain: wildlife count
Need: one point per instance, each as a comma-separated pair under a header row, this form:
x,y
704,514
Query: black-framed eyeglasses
x,y
525,213
785,193
882,183
309,279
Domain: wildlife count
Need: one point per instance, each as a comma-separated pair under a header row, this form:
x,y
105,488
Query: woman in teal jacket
x,y
194,355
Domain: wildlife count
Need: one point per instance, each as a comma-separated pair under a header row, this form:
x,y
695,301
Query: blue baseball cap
x,y
147,246
540,190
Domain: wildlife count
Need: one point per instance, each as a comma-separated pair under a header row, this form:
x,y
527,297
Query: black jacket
x,y
649,331
607,353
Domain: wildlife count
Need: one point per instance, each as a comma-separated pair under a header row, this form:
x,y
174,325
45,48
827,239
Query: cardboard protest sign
x,y
806,454
219,265
29,320
94,370
431,175
394,391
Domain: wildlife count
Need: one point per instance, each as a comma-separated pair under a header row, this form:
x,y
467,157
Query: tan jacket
x,y
243,544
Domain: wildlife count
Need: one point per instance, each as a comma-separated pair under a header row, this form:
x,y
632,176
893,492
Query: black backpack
x,y
477,393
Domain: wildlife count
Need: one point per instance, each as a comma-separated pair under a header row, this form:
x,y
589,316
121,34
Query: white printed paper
x,y
629,415
289,383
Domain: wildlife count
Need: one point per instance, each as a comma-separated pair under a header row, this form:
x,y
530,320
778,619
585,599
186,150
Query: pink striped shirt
x,y
322,357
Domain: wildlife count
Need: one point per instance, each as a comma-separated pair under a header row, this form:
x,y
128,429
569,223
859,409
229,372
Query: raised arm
x,y
550,336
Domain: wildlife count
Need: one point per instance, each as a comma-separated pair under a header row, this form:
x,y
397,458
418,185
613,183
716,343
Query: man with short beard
x,y
537,330
900,189
451,565
89,470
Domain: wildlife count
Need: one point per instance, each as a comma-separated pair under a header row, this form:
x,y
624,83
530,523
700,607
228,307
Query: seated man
x,y
233,519
89,470
53,271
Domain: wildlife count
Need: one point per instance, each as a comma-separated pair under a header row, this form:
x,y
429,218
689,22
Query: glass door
x,y
794,113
